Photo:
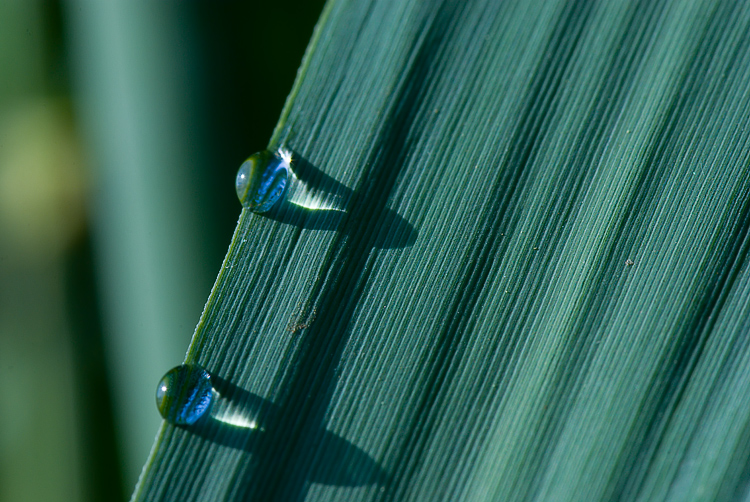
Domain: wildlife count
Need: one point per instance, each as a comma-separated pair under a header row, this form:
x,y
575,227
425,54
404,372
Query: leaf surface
x,y
536,287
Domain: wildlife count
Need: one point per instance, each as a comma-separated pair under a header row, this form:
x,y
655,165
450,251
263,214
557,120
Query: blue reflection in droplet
x,y
184,394
262,179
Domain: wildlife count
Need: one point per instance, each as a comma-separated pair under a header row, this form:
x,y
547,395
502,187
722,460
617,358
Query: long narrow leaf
x,y
536,285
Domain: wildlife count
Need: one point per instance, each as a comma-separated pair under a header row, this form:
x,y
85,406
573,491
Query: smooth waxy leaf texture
x,y
532,284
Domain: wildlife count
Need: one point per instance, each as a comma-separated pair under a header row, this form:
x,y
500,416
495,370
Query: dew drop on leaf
x,y
262,179
184,394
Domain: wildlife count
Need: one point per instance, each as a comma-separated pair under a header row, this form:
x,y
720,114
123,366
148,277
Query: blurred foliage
x,y
58,439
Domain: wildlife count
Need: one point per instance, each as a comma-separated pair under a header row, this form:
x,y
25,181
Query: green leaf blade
x,y
472,328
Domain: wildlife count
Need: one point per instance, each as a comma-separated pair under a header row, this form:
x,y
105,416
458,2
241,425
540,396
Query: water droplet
x,y
262,179
184,394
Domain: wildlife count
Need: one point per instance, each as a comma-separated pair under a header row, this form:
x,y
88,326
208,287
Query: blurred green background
x,y
121,127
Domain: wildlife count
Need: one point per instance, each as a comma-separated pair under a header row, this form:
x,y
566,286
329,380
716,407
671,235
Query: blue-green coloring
x,y
184,394
262,179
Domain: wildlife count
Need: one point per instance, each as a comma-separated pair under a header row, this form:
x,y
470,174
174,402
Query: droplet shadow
x,y
339,462
393,231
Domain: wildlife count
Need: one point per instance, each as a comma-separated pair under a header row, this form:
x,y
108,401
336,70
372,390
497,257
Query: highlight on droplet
x,y
262,179
184,394
266,177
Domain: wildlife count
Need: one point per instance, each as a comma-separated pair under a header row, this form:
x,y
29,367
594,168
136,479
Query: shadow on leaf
x,y
241,419
317,201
